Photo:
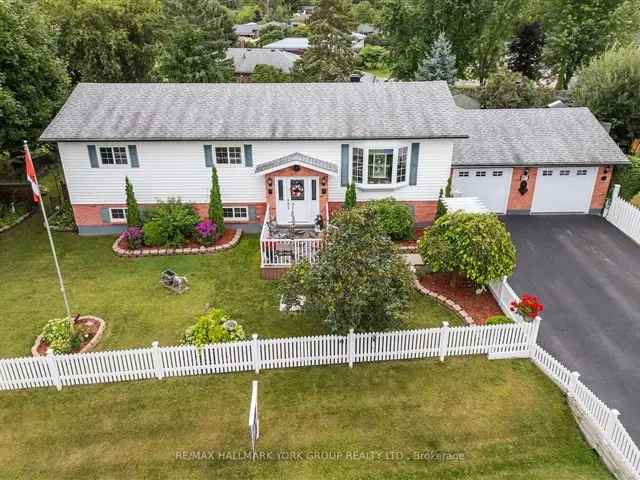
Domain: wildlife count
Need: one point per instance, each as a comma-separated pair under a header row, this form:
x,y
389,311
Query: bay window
x,y
379,167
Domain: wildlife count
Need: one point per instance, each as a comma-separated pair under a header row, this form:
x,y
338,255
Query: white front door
x,y
563,189
491,185
297,197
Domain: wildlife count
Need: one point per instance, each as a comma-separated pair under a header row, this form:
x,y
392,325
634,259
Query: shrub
x,y
350,196
498,320
170,224
477,246
216,215
628,176
441,209
134,219
206,232
505,89
213,327
396,219
359,280
134,238
60,336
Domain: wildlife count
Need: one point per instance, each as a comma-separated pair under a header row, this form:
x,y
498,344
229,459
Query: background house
x,y
295,45
246,59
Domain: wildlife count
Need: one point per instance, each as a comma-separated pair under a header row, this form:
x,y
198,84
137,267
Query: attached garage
x,y
535,160
564,190
491,185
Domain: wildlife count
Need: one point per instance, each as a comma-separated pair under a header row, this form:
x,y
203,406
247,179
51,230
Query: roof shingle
x,y
252,111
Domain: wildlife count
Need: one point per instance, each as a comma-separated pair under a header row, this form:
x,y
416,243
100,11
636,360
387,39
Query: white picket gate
x,y
624,215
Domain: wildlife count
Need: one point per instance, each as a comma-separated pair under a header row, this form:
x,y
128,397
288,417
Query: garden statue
x,y
174,282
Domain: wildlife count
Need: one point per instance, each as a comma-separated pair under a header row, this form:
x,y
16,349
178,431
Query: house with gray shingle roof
x,y
285,151
245,60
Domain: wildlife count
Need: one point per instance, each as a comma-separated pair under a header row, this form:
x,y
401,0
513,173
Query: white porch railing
x,y
284,252
624,215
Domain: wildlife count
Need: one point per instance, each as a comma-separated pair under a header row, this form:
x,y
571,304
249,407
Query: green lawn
x,y
127,294
504,417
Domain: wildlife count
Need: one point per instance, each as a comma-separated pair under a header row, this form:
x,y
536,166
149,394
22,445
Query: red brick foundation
x,y
601,188
425,211
517,202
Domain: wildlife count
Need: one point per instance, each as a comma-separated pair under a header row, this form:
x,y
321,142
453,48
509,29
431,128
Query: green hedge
x,y
629,178
395,217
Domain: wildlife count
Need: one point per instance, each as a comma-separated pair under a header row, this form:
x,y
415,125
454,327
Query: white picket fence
x,y
624,215
258,354
504,295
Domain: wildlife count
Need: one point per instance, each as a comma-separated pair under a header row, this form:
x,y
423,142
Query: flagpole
x,y
53,250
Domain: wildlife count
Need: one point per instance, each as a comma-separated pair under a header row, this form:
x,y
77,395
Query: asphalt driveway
x,y
587,274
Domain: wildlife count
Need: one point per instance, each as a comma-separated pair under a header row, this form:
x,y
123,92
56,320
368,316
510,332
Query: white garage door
x,y
563,190
491,185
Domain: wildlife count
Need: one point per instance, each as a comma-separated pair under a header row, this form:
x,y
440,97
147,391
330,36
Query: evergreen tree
x,y
350,196
134,219
525,52
198,34
440,63
330,57
215,202
441,209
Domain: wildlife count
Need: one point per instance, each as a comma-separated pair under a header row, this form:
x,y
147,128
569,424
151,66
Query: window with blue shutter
x,y
248,156
133,156
93,156
208,156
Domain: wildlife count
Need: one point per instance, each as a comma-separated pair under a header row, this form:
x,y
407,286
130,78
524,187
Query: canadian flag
x,y
31,173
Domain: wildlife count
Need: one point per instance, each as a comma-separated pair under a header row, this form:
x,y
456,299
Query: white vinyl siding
x,y
177,169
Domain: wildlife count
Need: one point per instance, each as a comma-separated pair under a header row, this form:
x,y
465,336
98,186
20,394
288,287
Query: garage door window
x,y
497,173
547,173
463,174
581,172
564,173
481,174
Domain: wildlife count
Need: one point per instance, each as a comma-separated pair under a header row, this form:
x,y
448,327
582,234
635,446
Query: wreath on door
x,y
297,191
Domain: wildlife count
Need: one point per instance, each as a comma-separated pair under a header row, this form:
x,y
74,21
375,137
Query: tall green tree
x,y
440,63
197,36
134,218
577,30
610,87
350,200
507,89
525,51
33,80
216,214
270,34
477,30
107,40
330,57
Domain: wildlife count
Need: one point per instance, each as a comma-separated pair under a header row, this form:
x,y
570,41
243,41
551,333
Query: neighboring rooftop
x,y
246,29
366,29
246,59
290,43
538,136
254,111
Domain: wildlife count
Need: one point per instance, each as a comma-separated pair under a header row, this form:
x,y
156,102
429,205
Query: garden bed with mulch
x,y
229,238
92,328
480,307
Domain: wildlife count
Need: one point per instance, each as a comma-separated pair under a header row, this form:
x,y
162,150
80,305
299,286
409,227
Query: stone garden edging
x,y
17,222
450,304
156,252
94,341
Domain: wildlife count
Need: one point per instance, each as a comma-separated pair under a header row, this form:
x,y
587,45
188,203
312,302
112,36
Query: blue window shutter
x,y
133,156
208,156
93,156
344,165
413,168
248,156
252,213
104,215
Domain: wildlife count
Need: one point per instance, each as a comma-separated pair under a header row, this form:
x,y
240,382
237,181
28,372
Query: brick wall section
x,y
425,212
603,180
272,190
89,215
519,203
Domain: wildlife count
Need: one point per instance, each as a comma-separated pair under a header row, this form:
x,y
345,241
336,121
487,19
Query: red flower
x,y
529,306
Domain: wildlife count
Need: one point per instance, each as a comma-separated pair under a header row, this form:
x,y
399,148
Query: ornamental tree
x,y
134,218
525,51
216,214
346,288
350,196
506,89
477,246
440,63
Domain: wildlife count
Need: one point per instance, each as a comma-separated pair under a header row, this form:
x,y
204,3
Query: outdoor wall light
x,y
269,181
323,181
296,168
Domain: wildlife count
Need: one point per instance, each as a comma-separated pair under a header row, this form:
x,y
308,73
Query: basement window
x,y
118,215
235,213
